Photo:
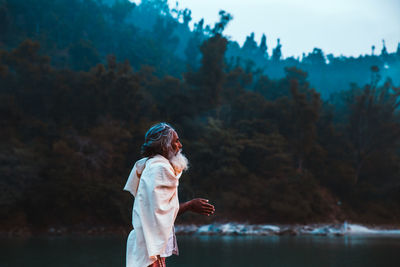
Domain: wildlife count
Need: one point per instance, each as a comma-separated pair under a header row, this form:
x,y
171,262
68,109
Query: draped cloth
x,y
153,182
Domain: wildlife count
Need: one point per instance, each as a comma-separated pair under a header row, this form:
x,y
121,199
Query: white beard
x,y
179,162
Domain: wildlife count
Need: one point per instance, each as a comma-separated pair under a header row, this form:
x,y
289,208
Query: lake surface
x,y
196,251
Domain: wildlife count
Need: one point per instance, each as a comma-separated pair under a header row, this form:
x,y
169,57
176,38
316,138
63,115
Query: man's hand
x,y
197,205
201,206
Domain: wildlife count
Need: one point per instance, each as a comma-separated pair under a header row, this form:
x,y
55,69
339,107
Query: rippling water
x,y
196,251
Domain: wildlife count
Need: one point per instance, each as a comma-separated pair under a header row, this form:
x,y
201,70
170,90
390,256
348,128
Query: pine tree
x,y
263,46
384,52
277,53
250,45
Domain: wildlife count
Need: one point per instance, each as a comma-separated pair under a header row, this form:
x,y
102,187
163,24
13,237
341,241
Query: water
x,y
207,251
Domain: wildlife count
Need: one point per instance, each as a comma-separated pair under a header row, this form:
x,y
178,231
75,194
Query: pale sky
x,y
340,27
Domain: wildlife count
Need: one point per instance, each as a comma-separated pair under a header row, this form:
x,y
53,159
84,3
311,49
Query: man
x,y
153,182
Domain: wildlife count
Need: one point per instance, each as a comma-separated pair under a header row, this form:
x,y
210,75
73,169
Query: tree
x,y
373,124
384,52
210,77
316,57
211,73
277,53
224,19
297,116
83,55
305,114
192,50
250,46
120,10
263,46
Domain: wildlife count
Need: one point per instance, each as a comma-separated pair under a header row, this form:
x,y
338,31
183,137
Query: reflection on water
x,y
288,251
62,251
196,251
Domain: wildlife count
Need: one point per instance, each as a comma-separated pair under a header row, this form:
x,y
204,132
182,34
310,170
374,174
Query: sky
x,y
339,27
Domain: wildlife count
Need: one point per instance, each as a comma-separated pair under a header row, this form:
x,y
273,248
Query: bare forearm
x,y
184,207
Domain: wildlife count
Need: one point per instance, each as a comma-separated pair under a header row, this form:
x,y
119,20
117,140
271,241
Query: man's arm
x,y
197,205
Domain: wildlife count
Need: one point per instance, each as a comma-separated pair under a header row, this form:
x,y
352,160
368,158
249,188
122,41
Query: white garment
x,y
153,183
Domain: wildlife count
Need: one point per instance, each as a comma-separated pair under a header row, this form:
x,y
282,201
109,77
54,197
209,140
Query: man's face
x,y
176,143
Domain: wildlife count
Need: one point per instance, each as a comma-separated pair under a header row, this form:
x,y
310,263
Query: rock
x,y
289,231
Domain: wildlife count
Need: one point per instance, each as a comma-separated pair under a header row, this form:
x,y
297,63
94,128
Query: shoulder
x,y
159,172
159,164
140,165
159,161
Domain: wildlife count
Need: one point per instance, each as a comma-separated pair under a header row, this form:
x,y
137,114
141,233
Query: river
x,y
201,250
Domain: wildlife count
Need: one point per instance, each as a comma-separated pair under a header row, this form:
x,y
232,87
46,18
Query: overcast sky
x,y
340,27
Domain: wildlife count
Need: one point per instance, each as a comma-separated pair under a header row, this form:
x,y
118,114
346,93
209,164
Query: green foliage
x,y
262,149
373,125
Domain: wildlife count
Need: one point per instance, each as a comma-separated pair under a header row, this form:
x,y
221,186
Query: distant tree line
x,y
262,149
78,34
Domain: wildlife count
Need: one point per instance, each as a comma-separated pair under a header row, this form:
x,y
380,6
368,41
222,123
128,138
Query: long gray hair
x,y
158,140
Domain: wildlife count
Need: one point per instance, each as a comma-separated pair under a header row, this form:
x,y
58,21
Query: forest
x,y
269,139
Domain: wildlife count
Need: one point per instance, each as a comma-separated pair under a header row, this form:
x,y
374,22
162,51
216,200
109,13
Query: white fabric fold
x,y
154,184
134,177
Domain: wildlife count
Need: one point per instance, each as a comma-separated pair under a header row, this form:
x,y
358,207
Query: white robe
x,y
153,183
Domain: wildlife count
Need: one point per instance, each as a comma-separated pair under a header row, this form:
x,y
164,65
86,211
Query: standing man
x,y
153,182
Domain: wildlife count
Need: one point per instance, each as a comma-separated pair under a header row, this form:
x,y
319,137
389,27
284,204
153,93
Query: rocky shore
x,y
293,230
238,229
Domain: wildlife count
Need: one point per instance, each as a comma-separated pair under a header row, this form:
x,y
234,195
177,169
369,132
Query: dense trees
x,y
264,149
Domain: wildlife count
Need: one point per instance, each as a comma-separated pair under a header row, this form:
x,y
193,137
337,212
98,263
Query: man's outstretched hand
x,y
197,205
201,206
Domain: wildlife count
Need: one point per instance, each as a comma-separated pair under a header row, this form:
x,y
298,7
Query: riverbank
x,y
268,229
240,229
